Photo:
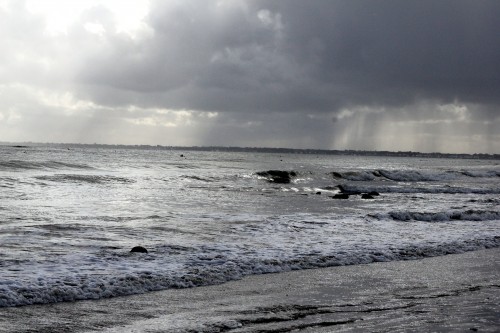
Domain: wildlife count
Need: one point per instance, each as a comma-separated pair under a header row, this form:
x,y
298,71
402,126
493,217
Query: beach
x,y
452,293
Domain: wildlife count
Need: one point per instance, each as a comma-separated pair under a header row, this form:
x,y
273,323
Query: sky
x,y
420,75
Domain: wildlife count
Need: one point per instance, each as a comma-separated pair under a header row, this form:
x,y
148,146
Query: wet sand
x,y
453,293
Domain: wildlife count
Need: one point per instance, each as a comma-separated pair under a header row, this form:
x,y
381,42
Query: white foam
x,y
278,244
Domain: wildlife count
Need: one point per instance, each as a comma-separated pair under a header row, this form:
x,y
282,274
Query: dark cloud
x,y
296,55
392,51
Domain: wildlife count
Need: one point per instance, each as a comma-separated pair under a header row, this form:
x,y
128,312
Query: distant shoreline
x,y
348,152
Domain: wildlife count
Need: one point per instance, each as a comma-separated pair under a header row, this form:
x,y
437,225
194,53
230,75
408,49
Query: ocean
x,y
69,216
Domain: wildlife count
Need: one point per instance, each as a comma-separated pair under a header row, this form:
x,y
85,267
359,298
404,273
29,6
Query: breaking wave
x,y
354,175
482,173
15,165
206,267
416,176
92,179
444,189
468,215
412,175
198,178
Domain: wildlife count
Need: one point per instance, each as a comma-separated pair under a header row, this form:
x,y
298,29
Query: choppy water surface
x,y
68,217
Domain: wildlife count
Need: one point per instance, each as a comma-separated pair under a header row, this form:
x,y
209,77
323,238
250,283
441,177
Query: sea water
x,y
69,216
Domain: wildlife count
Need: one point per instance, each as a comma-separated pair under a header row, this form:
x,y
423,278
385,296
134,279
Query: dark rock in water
x,y
336,174
139,249
318,193
182,155
340,196
278,176
374,193
366,196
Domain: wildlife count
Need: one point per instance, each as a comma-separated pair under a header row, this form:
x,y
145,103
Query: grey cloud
x,y
296,55
208,59
264,56
395,51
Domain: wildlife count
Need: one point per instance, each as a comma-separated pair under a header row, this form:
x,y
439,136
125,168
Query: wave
x,y
468,215
481,173
355,175
91,179
412,175
199,178
206,267
15,165
350,188
416,176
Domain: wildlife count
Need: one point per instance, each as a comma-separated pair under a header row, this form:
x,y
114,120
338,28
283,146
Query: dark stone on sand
x,y
366,196
278,176
340,196
182,155
139,249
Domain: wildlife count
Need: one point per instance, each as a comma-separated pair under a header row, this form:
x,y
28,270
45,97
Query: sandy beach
x,y
451,293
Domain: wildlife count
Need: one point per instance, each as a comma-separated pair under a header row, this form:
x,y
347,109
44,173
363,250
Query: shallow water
x,y
68,217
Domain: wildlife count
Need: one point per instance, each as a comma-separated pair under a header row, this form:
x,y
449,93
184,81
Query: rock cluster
x,y
278,176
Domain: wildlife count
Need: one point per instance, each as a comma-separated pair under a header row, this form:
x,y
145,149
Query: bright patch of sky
x,y
60,15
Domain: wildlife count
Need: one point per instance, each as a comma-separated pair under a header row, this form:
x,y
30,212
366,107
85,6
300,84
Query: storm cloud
x,y
382,74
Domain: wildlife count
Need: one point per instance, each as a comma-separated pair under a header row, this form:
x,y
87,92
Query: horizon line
x,y
26,144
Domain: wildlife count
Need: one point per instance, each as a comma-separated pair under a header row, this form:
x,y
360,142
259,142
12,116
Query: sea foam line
x,y
46,288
